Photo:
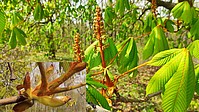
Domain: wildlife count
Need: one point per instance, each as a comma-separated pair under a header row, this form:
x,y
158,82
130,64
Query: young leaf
x,y
109,15
187,13
183,10
90,49
197,79
110,52
95,60
128,57
2,22
110,75
38,12
195,29
121,8
194,48
163,75
117,6
178,10
180,88
127,5
90,97
12,41
149,23
157,42
3,92
96,84
52,101
99,97
161,43
163,57
20,36
16,18
149,47
177,78
169,25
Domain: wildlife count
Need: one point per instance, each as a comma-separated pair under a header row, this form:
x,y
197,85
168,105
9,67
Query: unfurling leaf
x,y
128,57
12,41
52,101
22,106
194,48
157,42
20,35
183,11
197,79
3,92
2,22
96,97
38,12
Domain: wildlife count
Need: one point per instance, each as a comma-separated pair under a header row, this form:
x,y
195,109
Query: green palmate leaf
x,y
89,50
163,75
197,79
177,79
128,57
127,5
122,7
3,92
119,46
157,42
110,75
98,97
12,41
160,40
194,48
178,10
187,13
38,12
109,15
16,18
95,60
163,57
91,57
183,11
90,97
149,23
117,6
20,36
169,25
148,49
96,84
110,52
195,28
180,88
2,22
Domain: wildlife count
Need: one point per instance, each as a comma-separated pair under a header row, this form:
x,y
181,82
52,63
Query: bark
x,y
167,5
11,100
170,5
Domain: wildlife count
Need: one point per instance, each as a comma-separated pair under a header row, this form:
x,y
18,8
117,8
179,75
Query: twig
x,y
12,76
74,68
11,100
131,70
125,100
44,82
59,90
153,94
